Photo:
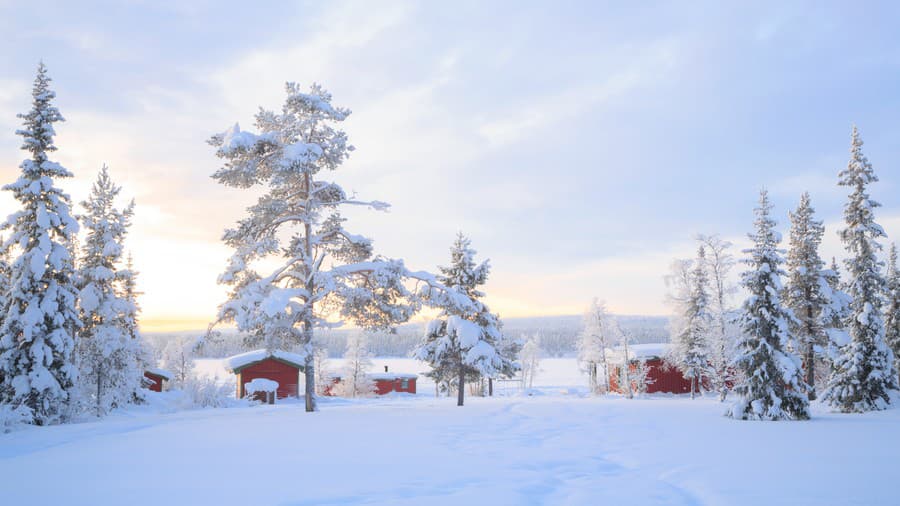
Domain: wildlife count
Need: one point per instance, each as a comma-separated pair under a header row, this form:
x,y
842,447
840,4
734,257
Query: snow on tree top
x,y
240,361
638,351
162,373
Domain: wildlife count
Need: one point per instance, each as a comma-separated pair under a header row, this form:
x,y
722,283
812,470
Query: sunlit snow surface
x,y
557,446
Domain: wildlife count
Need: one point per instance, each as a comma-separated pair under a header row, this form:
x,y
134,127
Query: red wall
x,y
287,376
157,381
384,386
665,379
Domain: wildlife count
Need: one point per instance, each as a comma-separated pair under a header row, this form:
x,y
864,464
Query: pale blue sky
x,y
580,144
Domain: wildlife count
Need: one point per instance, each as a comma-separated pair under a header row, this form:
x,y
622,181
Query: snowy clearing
x,y
549,448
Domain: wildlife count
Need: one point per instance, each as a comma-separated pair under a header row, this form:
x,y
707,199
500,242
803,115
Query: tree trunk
x,y
693,386
462,381
490,387
811,370
810,360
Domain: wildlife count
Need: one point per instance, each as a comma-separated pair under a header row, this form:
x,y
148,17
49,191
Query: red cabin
x,y
661,377
279,366
387,382
153,379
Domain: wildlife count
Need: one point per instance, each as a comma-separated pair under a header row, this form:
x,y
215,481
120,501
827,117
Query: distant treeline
x,y
558,337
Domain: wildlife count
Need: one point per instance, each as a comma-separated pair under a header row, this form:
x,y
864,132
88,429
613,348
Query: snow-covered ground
x,y
555,447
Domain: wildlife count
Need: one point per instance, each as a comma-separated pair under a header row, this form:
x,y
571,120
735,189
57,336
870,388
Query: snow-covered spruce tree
x,y
109,355
40,319
322,268
862,373
772,387
355,382
464,341
892,309
806,288
531,359
720,339
690,346
595,338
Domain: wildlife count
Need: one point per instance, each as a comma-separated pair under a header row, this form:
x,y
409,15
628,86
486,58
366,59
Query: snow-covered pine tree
x,y
595,338
690,347
862,373
892,308
37,336
109,356
805,290
355,382
464,342
531,359
772,387
721,340
322,268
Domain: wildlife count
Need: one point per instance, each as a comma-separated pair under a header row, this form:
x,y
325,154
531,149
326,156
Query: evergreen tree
x,y
892,310
37,335
805,287
690,350
772,388
322,269
108,351
862,372
465,343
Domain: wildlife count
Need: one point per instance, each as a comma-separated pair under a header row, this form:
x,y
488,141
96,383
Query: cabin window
x,y
404,384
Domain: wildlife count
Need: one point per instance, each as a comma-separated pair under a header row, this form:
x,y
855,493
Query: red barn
x,y
153,379
661,377
280,366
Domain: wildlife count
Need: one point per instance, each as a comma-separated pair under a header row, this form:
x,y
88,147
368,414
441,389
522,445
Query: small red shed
x,y
387,382
661,376
153,379
279,366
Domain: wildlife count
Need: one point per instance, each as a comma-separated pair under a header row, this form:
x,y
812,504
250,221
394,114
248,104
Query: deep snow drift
x,y
548,448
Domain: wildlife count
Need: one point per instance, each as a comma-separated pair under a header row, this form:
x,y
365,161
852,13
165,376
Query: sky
x,y
580,145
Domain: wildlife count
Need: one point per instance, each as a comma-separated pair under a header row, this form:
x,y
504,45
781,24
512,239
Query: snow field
x,y
562,447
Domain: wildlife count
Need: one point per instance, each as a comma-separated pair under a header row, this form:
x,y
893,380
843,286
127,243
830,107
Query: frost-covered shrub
x,y
13,416
207,392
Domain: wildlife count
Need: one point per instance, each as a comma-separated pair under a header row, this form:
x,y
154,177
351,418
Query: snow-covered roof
x,y
391,375
162,373
238,362
638,351
380,375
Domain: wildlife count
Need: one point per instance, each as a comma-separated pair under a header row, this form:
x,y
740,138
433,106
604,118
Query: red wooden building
x,y
661,377
153,379
385,383
279,366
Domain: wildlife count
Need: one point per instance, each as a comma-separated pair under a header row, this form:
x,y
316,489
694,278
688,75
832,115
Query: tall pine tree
x,y
464,343
37,337
892,309
109,354
862,373
772,388
806,286
691,350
